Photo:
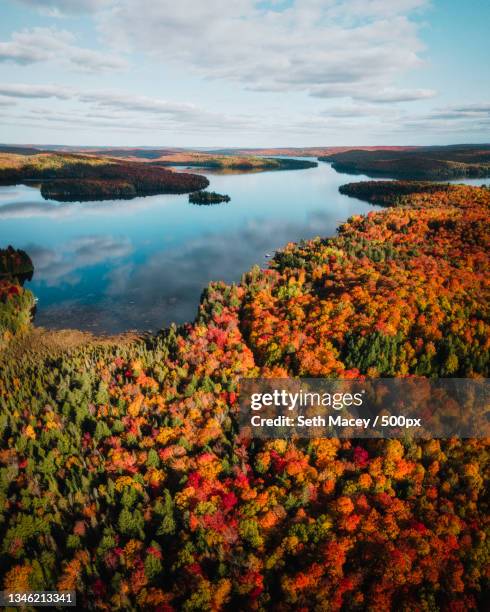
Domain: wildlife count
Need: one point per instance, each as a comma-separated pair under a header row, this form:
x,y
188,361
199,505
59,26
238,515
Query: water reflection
x,y
143,263
57,266
27,209
167,287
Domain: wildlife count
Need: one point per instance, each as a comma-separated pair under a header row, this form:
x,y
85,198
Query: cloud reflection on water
x,y
55,266
167,286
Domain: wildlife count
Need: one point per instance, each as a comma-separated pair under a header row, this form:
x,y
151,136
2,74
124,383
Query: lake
x,y
141,264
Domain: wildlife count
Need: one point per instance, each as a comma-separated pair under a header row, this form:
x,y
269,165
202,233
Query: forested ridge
x,y
234,162
428,163
124,477
71,177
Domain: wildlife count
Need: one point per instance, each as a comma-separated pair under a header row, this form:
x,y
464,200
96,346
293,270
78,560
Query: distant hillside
x,y
431,163
302,151
149,153
134,153
249,163
125,152
19,150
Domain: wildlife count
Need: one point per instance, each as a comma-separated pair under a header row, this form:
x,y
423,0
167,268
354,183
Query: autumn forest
x,y
245,305
123,474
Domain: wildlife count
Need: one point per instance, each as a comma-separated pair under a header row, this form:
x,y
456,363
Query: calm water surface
x,y
143,263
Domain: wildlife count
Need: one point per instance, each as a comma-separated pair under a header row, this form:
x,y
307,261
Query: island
x,y
240,163
429,163
207,198
68,177
76,190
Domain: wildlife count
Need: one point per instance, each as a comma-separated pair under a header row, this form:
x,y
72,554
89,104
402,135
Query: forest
x,y
71,177
123,474
427,163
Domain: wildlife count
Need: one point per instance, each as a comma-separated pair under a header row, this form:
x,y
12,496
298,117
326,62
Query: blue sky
x,y
244,72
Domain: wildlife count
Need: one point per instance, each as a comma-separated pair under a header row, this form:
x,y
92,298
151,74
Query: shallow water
x,y
143,263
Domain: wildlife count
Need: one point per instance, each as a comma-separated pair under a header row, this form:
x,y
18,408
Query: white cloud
x,y
117,110
89,60
58,8
468,119
7,102
392,94
181,112
130,102
350,56
35,45
479,112
330,48
52,44
25,90
120,112
375,8
469,110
